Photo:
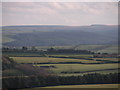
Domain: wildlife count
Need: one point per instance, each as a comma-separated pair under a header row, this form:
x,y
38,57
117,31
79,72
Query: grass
x,y
112,49
79,67
12,54
83,68
72,55
87,86
6,39
110,59
95,48
79,86
48,60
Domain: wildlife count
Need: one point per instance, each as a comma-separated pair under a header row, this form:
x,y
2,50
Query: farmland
x,y
109,59
80,86
68,66
58,66
49,60
77,69
87,86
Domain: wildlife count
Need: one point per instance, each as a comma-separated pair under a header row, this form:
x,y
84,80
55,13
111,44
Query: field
x,y
7,39
12,54
64,65
87,86
95,48
80,86
69,67
49,60
109,59
81,68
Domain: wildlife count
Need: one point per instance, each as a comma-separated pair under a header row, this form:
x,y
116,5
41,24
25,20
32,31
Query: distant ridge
x,y
47,35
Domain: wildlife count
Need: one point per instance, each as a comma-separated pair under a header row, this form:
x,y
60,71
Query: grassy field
x,y
87,86
19,54
110,59
112,49
49,60
70,68
80,86
6,39
95,48
72,55
79,67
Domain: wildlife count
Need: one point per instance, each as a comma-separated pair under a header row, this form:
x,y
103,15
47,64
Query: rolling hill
x,y
58,35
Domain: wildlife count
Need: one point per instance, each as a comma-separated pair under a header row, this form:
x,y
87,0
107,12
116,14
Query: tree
x,y
24,48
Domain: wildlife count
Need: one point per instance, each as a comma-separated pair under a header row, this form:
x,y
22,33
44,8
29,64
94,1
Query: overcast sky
x,y
59,13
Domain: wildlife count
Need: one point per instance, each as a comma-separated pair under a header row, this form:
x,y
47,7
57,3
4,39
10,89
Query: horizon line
x,y
58,25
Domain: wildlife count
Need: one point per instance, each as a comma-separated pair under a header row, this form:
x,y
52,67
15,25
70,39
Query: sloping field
x,y
79,67
109,59
49,60
80,86
87,86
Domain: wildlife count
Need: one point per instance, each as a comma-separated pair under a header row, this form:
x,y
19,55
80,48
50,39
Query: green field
x,y
87,86
109,59
18,54
80,86
83,68
95,48
112,49
61,69
72,55
49,60
6,39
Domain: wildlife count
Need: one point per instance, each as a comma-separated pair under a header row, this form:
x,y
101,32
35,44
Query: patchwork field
x,y
70,67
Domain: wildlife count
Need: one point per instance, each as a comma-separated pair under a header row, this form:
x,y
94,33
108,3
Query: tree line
x,y
42,81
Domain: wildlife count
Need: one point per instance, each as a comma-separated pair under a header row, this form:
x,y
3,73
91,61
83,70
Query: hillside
x,y
46,35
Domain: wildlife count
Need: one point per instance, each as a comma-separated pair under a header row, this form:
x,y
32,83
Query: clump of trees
x,y
8,63
52,50
25,69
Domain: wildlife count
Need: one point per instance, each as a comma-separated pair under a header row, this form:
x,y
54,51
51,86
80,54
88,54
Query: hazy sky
x,y
59,13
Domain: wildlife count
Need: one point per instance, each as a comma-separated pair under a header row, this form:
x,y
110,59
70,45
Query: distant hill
x,y
49,35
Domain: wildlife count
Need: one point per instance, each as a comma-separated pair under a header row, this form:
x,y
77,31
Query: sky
x,y
59,13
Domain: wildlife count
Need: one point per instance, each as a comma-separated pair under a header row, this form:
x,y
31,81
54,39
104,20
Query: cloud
x,y
67,13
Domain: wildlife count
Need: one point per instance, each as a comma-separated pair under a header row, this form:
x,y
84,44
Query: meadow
x,y
78,69
49,60
79,86
70,64
87,86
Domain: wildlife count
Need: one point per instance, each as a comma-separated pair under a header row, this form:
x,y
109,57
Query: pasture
x,y
63,67
109,59
79,86
86,86
83,68
49,60
72,55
